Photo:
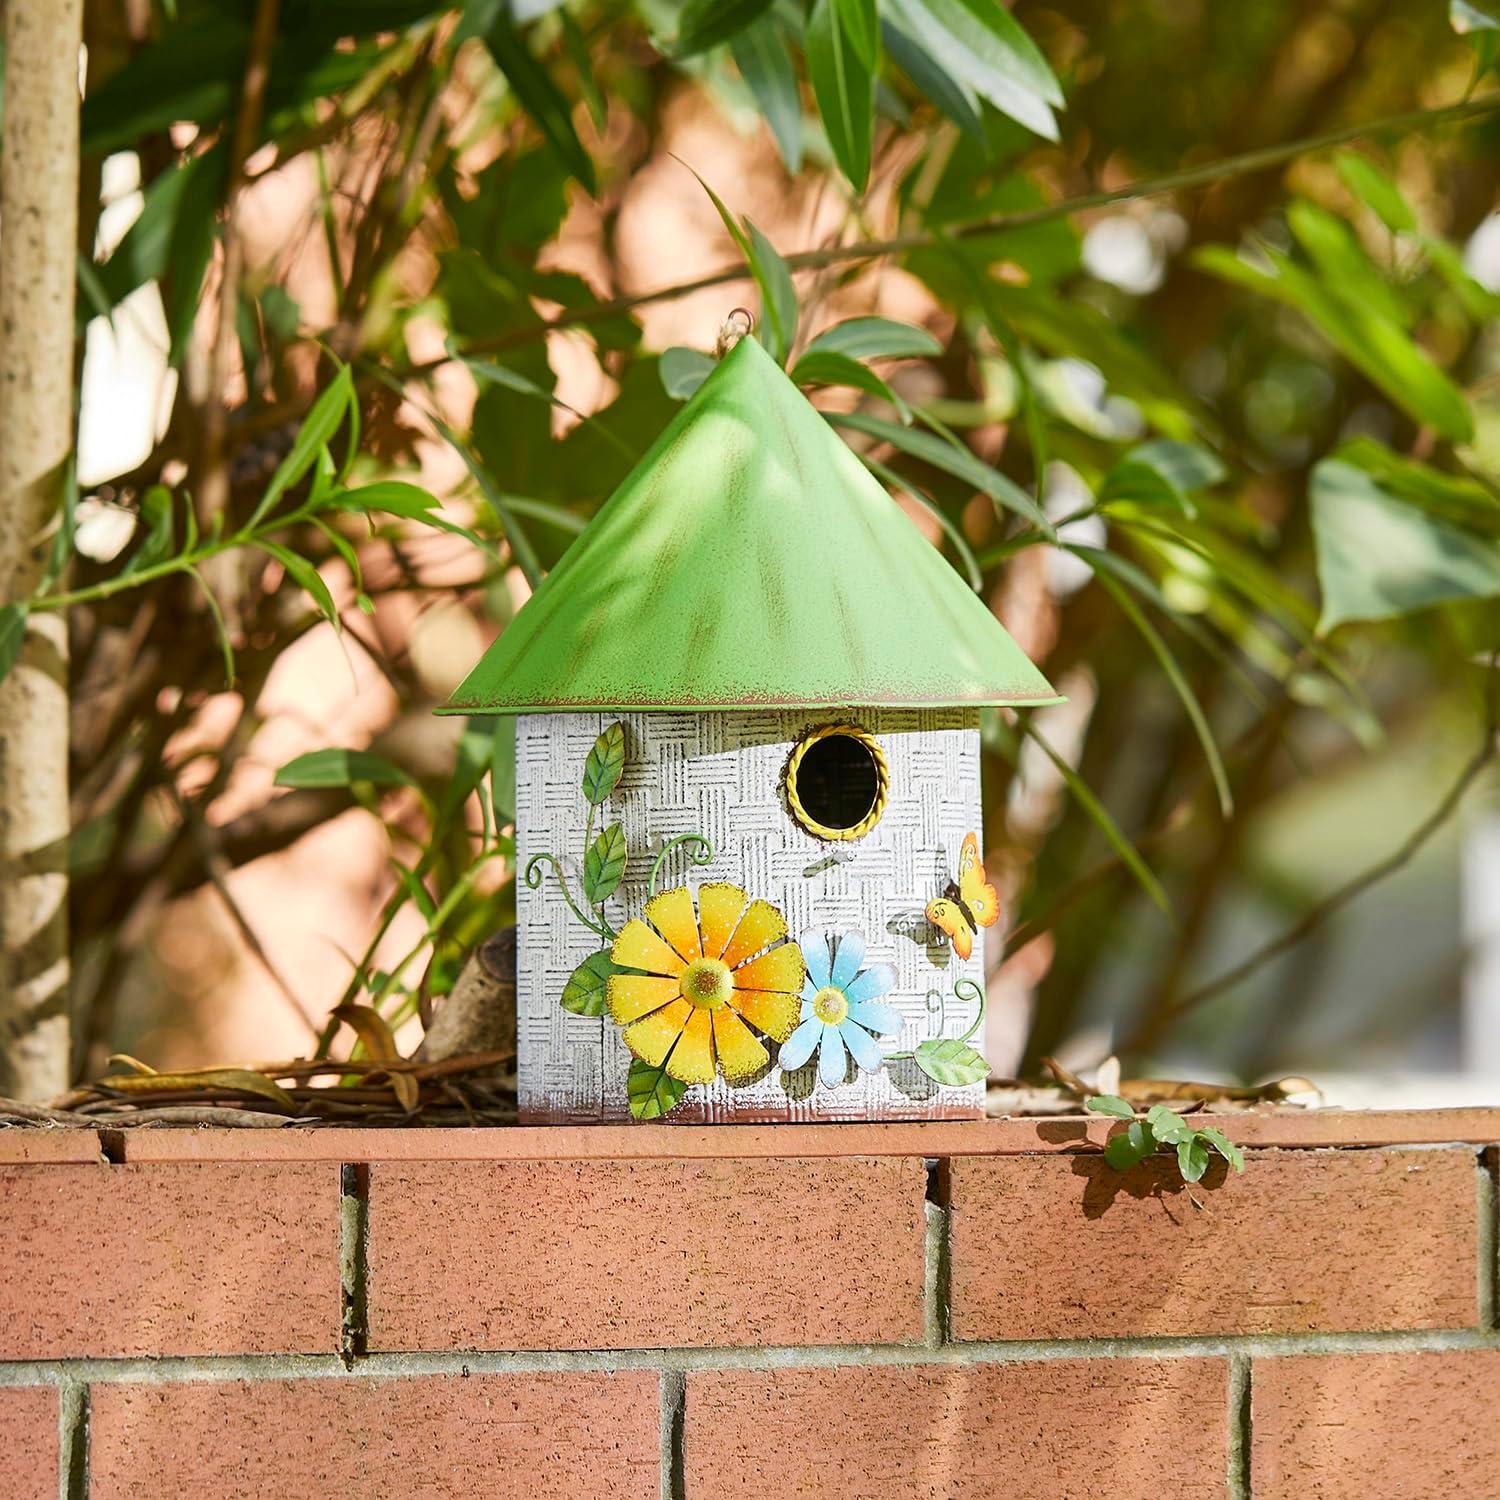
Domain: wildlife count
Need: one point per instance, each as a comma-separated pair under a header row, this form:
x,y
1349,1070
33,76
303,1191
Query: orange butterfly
x,y
968,904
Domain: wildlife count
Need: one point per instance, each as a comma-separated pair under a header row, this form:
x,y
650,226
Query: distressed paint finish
x,y
750,560
721,775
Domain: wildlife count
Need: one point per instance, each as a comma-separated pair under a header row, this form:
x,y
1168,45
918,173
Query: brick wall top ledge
x,y
1002,1137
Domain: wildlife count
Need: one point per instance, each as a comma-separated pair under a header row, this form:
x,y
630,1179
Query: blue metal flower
x,y
841,1009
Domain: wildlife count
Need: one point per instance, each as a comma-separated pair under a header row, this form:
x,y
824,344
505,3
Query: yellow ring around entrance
x,y
882,783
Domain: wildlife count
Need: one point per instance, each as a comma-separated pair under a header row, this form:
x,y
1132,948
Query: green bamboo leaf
x,y
778,297
335,767
761,54
1110,1104
824,367
396,498
979,43
586,992
1099,814
1380,558
12,633
578,52
307,577
1163,472
843,53
951,95
503,770
874,338
778,328
539,96
652,1091
157,515
1373,344
706,23
317,430
1180,685
1376,191
601,771
952,458
960,543
683,370
951,1062
604,865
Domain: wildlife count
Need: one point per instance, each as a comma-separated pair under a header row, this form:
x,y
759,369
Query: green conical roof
x,y
749,560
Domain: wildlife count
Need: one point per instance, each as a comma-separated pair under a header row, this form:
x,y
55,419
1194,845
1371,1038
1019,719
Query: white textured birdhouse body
x,y
736,779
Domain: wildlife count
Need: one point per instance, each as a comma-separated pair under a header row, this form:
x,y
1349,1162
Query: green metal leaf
x,y
843,52
1110,1104
12,633
706,23
761,54
1192,1158
325,768
951,1062
874,338
604,865
1380,558
683,370
587,989
1224,1146
601,771
651,1091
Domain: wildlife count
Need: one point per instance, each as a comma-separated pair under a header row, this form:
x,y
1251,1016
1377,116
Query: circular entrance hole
x,y
836,783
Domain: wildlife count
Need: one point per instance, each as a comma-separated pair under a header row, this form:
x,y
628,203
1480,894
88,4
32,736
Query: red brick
x,y
24,1143
1056,1428
1322,1426
28,1442
504,1437
1304,1240
121,1260
1324,1127
612,1255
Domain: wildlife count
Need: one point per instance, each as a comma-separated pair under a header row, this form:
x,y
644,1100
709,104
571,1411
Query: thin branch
x,y
1483,756
213,479
1147,187
219,870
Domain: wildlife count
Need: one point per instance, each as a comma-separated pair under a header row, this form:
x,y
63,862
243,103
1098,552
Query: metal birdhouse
x,y
747,786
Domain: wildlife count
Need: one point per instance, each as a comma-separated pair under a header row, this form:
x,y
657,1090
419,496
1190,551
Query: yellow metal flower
x,y
703,977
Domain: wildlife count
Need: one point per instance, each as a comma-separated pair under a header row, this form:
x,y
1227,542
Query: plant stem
x,y
1147,187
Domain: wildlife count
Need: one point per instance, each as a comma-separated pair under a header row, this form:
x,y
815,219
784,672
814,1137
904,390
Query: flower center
x,y
830,1005
706,982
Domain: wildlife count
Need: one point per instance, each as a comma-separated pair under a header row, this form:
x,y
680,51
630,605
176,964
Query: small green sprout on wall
x,y
1162,1127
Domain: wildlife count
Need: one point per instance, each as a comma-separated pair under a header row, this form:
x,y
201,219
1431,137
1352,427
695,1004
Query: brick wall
x,y
955,1310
